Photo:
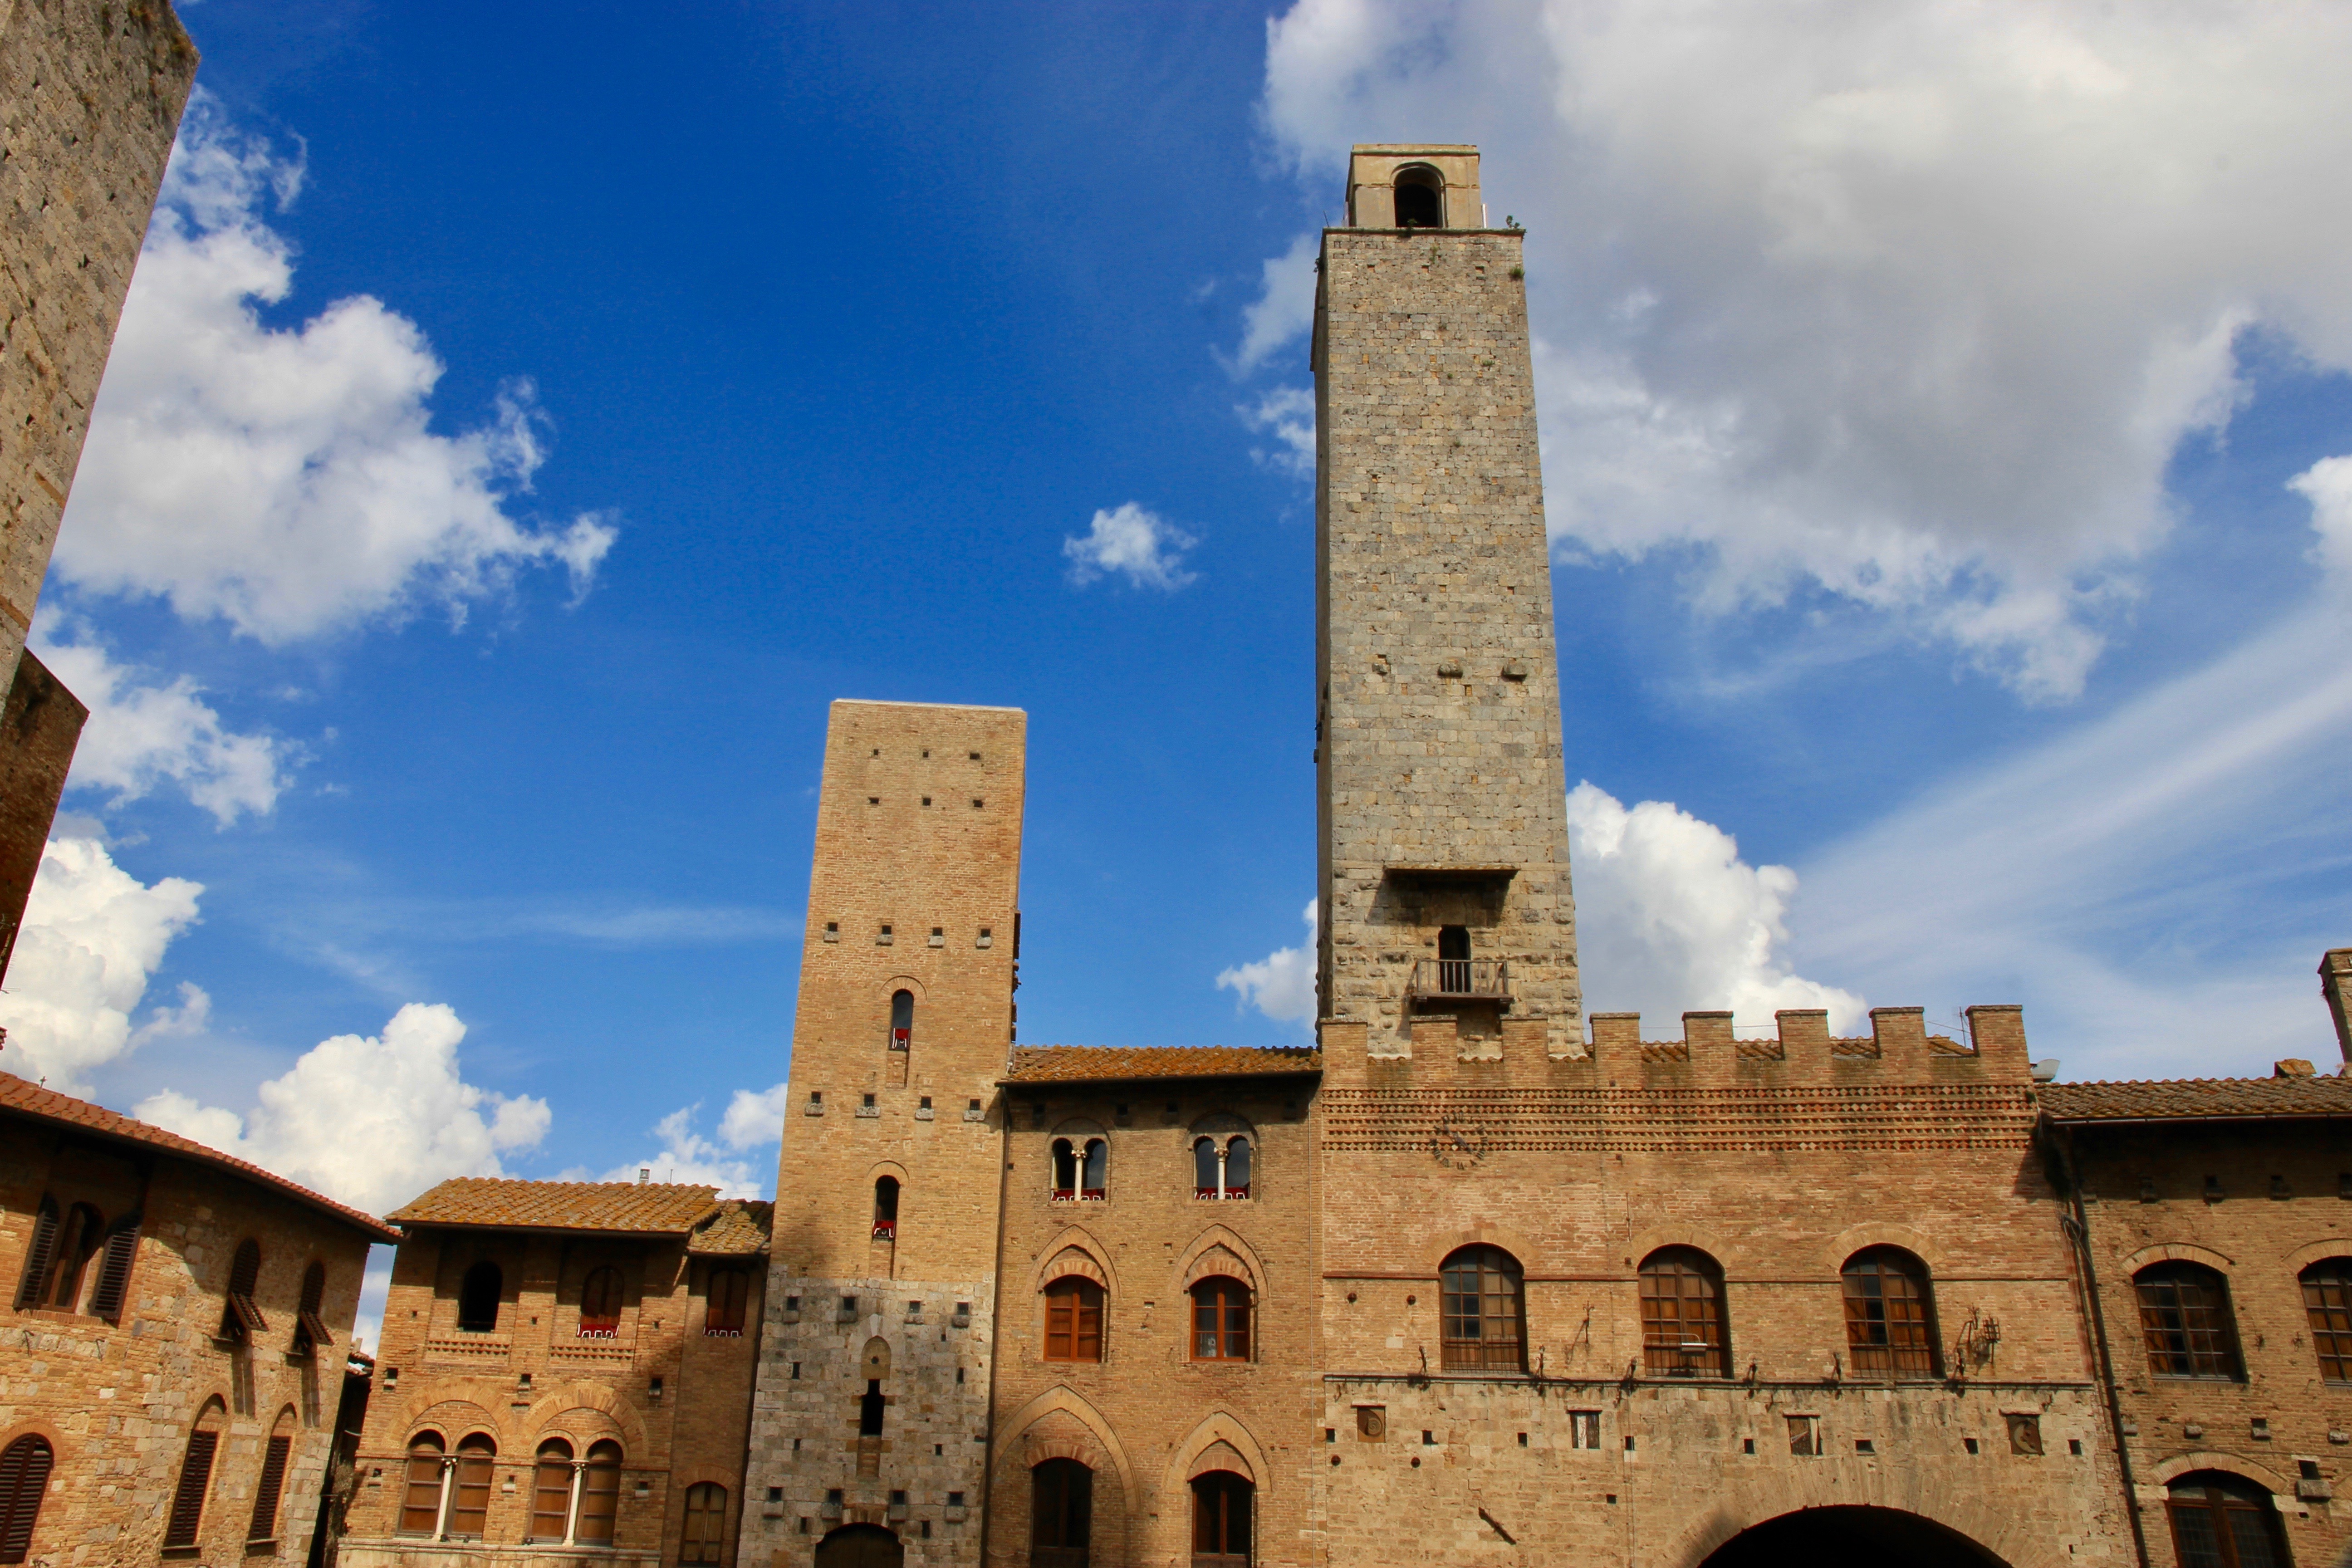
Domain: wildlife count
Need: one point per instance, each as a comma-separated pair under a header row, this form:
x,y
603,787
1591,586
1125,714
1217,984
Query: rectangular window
x,y
1805,1435
1074,1310
1584,1429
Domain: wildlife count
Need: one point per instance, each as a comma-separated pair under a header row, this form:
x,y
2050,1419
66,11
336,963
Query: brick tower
x,y
872,1401
1443,812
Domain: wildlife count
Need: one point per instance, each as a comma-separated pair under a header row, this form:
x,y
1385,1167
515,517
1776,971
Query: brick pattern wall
x,y
1439,725
90,98
914,886
1149,1415
534,1377
2257,1204
116,1402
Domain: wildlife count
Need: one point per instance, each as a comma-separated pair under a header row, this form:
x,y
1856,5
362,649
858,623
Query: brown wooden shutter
x,y
37,1256
265,1496
24,1481
188,1501
113,1292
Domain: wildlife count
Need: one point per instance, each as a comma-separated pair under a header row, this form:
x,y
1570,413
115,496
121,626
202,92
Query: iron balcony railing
x,y
1447,978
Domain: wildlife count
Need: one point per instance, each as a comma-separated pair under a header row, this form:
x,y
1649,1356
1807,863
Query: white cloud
x,y
139,736
92,937
1282,984
1912,302
371,1121
754,1117
288,480
1670,920
685,1156
2328,485
1284,307
1287,413
1142,546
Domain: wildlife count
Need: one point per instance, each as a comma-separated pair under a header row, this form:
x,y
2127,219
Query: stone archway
x,y
1812,1536
860,1546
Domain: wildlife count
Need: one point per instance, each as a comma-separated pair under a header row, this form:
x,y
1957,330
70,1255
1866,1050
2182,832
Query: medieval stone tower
x,y
1445,881
875,1362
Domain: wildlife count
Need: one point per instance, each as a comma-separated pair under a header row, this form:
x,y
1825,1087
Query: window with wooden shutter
x,y
1074,1317
240,1318
704,1538
1220,1320
1683,1328
37,1256
310,1335
112,1296
600,1495
273,1480
1482,1311
196,1479
420,1502
71,1260
24,1482
550,1492
1889,1326
469,1490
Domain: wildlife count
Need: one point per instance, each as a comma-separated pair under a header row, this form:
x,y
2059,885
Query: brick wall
x,y
117,1401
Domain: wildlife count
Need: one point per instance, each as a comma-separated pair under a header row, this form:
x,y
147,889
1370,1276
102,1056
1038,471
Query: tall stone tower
x,y
872,1400
1445,881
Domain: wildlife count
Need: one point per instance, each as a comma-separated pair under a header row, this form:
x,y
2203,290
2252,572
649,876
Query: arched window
x,y
902,1020
1221,1170
705,1537
1066,1170
310,1335
550,1492
1221,1519
470,1486
2221,1520
187,1516
728,1302
24,1467
1094,1175
1061,1514
69,1268
1483,1311
1890,1325
600,1304
886,1208
240,1316
478,1298
272,1485
1074,1319
1420,198
600,1494
420,1499
2184,1311
2328,1300
1683,1328
1221,1320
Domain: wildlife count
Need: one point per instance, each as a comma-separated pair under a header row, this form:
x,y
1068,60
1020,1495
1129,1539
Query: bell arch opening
x,y
1850,1534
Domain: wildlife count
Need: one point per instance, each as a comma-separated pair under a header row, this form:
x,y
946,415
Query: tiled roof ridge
x,y
1034,1064
521,1202
28,1098
2150,1082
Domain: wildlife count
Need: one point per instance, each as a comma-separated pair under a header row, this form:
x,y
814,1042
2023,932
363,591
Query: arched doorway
x,y
860,1546
1812,1536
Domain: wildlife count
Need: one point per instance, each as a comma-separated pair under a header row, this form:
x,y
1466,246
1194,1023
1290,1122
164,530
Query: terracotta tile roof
x,y
497,1203
25,1097
2188,1099
1081,1064
739,1226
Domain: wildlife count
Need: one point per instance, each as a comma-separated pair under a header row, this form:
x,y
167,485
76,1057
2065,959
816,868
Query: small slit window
x,y
902,1021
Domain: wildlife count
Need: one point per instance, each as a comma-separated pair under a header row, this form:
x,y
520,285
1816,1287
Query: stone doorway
x,y
1813,1536
860,1546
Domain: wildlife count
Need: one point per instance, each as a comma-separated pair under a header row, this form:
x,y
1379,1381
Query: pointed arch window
x,y
1683,1330
600,1304
704,1538
1890,1323
1061,1514
902,1020
1221,1169
24,1467
886,1208
478,1298
1483,1310
2184,1314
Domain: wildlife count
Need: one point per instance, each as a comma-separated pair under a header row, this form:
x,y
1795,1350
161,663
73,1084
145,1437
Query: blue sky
x,y
527,419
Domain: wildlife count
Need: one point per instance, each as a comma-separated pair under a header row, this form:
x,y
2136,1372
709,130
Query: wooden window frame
x,y
1076,1308
1061,1506
1684,1341
2327,1304
712,1547
26,1465
473,1473
1226,1303
1220,1539
2217,1518
604,1460
269,1490
427,1466
598,1325
1483,1328
184,1524
2187,1339
726,1301
1890,1314
554,1462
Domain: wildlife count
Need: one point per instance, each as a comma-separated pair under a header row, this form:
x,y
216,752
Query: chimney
x,y
645,1174
2336,985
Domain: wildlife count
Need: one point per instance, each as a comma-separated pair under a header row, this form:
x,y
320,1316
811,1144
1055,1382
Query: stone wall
x,y
914,885
39,726
117,1400
90,95
1149,1416
2257,1204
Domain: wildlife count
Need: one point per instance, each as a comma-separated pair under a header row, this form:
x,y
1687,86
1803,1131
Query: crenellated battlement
x,y
1438,1049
